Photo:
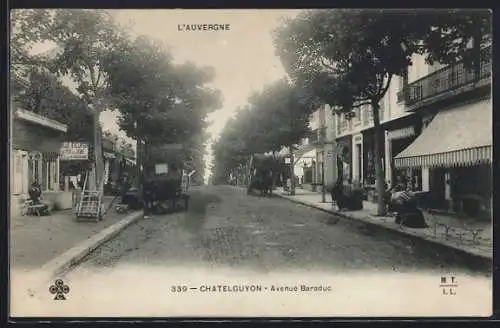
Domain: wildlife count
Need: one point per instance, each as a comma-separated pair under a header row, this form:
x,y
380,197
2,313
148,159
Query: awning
x,y
461,136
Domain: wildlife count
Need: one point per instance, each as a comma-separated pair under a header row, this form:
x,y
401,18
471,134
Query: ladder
x,y
90,204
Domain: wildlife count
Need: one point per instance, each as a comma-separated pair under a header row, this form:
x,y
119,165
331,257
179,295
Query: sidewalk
x,y
36,240
444,230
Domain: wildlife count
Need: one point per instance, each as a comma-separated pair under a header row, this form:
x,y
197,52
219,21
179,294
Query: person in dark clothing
x,y
35,193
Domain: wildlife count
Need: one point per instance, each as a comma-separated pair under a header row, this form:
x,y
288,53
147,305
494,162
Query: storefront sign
x,y
73,151
401,133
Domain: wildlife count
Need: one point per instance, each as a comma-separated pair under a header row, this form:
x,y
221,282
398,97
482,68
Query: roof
x,y
467,127
40,120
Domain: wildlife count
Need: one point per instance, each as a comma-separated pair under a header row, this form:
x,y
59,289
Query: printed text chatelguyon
x,y
246,288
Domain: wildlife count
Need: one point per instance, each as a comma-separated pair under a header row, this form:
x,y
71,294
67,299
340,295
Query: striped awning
x,y
461,136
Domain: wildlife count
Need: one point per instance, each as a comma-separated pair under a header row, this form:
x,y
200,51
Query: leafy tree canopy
x,y
159,101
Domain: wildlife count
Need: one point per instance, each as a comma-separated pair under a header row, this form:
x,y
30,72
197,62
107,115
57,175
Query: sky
x,y
243,57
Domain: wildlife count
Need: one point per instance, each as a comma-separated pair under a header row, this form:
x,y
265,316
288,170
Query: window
x,y
344,121
357,112
368,109
51,177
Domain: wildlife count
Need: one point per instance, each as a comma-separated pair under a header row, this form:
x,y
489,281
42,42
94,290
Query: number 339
x,y
178,289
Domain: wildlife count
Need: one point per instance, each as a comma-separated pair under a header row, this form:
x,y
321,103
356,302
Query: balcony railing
x,y
447,79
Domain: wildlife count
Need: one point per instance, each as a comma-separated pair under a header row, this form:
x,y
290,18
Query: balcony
x,y
445,83
318,136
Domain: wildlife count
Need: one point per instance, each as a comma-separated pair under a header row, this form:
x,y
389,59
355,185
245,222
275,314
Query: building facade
x,y
453,153
314,159
36,142
117,161
437,123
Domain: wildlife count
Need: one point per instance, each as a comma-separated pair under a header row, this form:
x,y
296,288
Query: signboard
x,y
74,151
288,160
161,168
401,133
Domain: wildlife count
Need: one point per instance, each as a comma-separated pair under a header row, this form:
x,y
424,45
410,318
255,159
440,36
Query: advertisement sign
x,y
74,151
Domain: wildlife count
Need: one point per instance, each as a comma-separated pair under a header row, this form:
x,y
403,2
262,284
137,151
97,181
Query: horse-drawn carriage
x,y
166,189
263,174
166,182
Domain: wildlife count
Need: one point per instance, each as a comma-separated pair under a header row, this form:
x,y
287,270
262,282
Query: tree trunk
x,y
292,171
98,155
379,171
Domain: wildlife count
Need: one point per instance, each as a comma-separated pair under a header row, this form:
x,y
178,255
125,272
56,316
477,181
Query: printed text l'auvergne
x,y
203,27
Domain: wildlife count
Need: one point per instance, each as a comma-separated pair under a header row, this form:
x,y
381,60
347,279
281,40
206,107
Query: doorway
x,y
437,186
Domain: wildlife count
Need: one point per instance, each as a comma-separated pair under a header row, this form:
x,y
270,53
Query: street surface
x,y
237,255
225,227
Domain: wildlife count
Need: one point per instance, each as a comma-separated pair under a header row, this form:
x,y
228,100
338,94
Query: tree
x,y
159,102
275,118
451,34
47,96
85,39
234,145
349,57
283,111
28,27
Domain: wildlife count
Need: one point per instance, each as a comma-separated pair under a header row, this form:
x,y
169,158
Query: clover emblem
x,y
59,289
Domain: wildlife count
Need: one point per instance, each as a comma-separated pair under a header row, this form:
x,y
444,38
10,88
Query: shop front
x,y
36,143
454,154
306,170
397,137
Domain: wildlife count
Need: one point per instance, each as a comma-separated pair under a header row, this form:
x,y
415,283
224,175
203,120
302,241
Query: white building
x,y
437,132
316,153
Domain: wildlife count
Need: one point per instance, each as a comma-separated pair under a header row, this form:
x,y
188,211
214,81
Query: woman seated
x,y
35,193
404,205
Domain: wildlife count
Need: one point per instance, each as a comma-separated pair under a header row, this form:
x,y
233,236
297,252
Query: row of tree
x,y
276,118
347,58
158,101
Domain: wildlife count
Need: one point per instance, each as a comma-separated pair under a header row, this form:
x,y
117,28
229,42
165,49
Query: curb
x,y
75,255
393,229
